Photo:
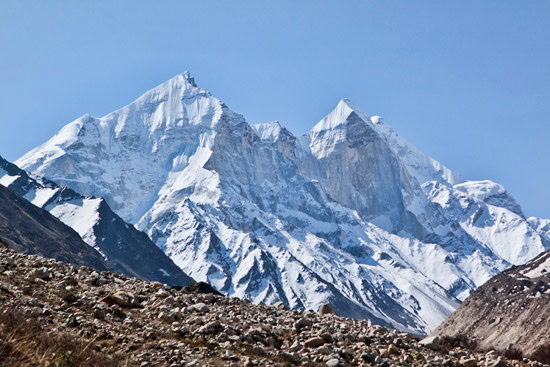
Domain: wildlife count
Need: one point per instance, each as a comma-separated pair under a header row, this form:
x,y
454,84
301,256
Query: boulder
x,y
122,299
198,307
468,362
302,323
431,342
497,363
326,309
314,342
41,273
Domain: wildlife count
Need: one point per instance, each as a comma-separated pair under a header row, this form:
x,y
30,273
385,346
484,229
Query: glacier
x,y
349,213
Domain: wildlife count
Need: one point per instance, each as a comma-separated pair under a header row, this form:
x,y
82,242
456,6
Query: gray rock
x,y
69,281
72,322
497,363
288,357
162,293
296,346
326,309
314,342
122,299
333,363
468,362
431,342
170,301
324,350
198,307
115,309
166,316
234,338
99,313
211,328
368,357
41,273
302,323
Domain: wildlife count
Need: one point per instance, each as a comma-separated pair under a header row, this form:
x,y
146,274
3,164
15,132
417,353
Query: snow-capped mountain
x,y
348,214
123,247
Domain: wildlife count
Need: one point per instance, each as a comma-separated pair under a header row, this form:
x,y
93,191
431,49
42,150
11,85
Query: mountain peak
x,y
337,216
338,116
186,75
346,102
183,83
268,130
184,79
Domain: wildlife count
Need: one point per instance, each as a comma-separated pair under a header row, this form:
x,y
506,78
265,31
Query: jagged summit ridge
x,y
348,214
337,117
169,127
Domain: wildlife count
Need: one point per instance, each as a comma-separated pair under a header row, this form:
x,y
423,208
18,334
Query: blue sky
x,y
467,82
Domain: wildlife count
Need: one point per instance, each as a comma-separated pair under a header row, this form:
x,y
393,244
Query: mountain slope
x,y
128,250
27,228
348,213
510,309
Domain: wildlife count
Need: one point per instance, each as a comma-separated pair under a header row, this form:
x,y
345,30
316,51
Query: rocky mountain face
x,y
348,214
510,309
69,316
123,247
27,228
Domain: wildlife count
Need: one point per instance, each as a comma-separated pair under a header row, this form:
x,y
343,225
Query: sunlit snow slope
x,y
348,214
123,247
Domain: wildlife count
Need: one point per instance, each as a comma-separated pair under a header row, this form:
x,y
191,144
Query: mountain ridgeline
x,y
124,248
512,308
348,214
27,228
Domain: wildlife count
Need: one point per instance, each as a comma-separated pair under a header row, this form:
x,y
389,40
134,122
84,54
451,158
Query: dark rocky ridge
x,y
133,252
512,308
27,228
126,249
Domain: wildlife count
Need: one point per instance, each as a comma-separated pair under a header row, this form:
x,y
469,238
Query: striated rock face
x,y
348,214
123,247
107,319
510,309
25,227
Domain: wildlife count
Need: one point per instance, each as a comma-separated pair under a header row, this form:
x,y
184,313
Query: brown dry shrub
x,y
513,353
542,354
23,342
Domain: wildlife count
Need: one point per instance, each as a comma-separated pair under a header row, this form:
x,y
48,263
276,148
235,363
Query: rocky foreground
x,y
54,314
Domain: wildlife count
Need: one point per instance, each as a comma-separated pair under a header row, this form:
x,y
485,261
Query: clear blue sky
x,y
467,82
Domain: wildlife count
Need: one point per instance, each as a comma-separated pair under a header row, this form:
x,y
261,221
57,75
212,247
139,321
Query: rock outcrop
x,y
27,228
513,308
